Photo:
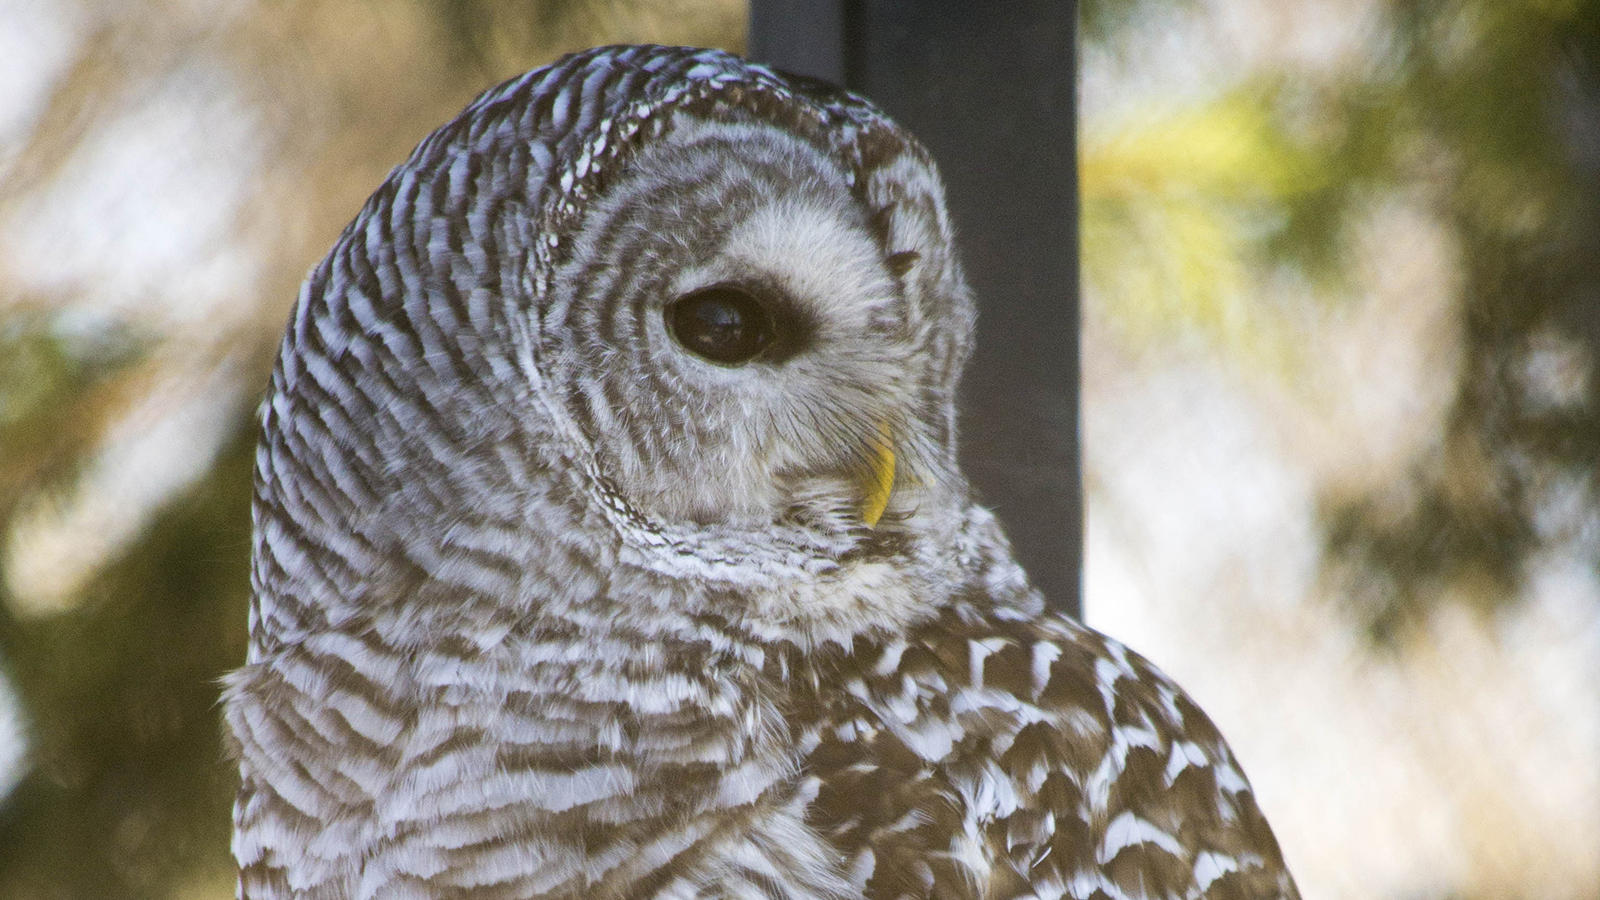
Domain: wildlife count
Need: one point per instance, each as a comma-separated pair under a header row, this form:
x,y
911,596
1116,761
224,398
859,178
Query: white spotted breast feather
x,y
990,756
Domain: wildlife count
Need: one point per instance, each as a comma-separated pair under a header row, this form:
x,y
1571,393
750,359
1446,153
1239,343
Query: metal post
x,y
989,88
806,37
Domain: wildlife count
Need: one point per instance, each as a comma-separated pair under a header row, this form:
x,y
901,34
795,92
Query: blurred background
x,y
1341,401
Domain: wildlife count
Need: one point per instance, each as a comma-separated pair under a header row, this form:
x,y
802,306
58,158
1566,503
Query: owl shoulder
x,y
998,756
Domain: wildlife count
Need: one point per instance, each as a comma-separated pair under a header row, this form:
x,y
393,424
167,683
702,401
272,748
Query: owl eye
x,y
722,324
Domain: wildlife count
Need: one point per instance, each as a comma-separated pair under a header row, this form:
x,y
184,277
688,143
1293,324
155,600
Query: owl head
x,y
657,301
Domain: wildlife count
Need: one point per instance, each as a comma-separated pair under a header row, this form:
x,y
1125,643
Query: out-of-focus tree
x,y
1495,108
1487,112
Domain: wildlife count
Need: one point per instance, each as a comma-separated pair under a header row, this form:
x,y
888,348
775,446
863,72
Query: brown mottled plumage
x,y
574,571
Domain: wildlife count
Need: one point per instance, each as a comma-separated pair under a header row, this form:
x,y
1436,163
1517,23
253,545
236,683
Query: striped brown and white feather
x,y
545,607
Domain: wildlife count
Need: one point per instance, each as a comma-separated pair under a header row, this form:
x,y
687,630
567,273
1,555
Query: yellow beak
x,y
877,478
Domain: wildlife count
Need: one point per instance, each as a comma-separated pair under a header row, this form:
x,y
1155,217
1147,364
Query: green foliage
x,y
1102,22
54,393
494,36
129,792
1184,210
1502,96
1193,216
478,31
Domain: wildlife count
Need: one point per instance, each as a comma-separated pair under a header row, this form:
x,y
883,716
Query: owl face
x,y
649,305
738,339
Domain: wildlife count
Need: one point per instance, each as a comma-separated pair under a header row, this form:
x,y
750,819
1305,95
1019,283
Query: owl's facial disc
x,y
774,346
746,356
728,325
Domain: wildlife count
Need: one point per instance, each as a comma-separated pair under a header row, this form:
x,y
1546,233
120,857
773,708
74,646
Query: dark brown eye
x,y
721,324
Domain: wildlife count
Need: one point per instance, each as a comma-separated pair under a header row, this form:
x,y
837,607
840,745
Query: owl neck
x,y
556,561
595,701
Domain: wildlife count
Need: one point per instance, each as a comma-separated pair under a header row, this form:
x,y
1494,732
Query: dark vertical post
x,y
990,89
806,37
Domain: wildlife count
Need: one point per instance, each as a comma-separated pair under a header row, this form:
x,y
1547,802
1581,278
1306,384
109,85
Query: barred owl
x,y
610,543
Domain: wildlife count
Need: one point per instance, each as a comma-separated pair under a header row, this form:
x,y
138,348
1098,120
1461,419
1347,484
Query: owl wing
x,y
991,758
